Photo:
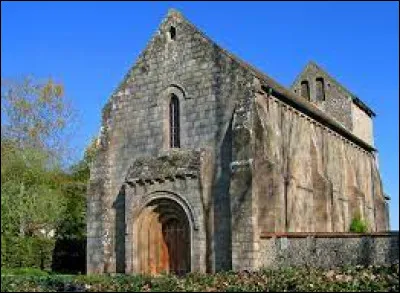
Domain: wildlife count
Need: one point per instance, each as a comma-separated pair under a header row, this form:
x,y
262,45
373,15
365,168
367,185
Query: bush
x,y
35,283
29,251
372,278
358,225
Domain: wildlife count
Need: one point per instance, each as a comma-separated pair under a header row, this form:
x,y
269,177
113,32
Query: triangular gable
x,y
172,13
326,75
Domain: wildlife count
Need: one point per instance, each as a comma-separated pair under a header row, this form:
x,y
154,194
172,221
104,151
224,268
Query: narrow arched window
x,y
320,89
172,33
305,90
174,131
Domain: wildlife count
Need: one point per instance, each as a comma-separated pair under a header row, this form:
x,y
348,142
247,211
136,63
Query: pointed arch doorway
x,y
163,239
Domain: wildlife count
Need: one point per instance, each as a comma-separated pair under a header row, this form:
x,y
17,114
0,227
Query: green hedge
x,y
372,278
33,252
64,253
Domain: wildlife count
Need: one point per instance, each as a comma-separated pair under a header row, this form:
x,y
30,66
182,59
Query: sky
x,y
89,47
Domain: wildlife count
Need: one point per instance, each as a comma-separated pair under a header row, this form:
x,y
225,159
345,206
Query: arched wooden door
x,y
163,239
177,246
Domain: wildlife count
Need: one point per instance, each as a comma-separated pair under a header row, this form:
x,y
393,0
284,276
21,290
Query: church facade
x,y
199,153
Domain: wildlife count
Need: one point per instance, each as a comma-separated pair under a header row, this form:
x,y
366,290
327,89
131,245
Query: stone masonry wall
x,y
362,124
329,251
208,84
315,180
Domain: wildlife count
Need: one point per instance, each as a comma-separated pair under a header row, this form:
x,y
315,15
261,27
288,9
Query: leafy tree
x,y
36,115
31,201
35,121
70,249
32,204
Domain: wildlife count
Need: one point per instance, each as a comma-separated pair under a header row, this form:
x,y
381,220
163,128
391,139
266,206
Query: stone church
x,y
199,153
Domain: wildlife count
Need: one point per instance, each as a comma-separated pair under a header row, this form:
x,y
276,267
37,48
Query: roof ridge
x,y
257,72
282,90
262,75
